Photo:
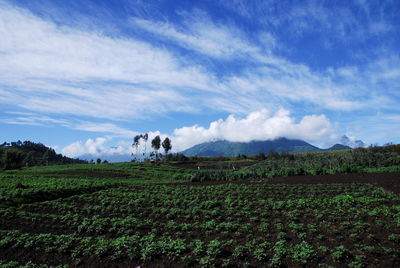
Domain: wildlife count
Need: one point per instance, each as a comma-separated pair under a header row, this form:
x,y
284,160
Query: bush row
x,y
259,173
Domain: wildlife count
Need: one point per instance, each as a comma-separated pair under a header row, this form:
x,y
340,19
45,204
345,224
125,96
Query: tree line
x,y
26,154
155,144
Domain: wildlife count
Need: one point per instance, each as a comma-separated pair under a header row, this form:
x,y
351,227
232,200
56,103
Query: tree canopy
x,y
166,144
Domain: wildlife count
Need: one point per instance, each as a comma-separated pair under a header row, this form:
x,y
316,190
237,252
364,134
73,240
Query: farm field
x,y
129,215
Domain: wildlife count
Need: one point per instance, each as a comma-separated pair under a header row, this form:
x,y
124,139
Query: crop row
x,y
19,191
144,249
266,170
166,201
296,221
295,230
222,225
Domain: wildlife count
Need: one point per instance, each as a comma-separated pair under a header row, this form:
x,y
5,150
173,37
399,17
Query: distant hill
x,y
227,148
337,147
19,154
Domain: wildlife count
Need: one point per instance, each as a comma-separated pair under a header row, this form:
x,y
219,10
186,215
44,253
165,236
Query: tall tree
x,y
156,143
135,144
140,149
145,138
166,144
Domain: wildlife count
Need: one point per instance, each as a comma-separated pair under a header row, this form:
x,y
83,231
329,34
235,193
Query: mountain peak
x,y
338,147
227,148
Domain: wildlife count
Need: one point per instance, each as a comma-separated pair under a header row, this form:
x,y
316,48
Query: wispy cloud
x,y
54,69
60,70
112,129
33,120
201,34
270,76
109,129
338,21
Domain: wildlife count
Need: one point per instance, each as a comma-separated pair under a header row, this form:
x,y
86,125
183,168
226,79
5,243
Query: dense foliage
x,y
26,154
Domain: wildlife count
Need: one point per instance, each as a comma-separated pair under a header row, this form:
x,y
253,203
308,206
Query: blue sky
x,y
86,76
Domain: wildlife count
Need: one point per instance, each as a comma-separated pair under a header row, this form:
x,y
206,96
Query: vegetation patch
x,y
139,221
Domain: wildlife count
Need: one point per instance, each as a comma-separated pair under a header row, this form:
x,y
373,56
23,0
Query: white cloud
x,y
285,81
74,149
352,141
49,68
38,120
260,125
203,35
33,120
269,77
100,146
105,128
40,49
94,147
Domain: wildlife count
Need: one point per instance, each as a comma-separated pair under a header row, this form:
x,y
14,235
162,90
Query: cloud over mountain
x,y
260,125
351,141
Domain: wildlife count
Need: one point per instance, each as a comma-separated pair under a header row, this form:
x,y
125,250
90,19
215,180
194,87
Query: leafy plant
x,y
303,253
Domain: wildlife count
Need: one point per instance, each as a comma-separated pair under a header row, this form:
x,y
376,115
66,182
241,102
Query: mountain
x,y
337,147
226,148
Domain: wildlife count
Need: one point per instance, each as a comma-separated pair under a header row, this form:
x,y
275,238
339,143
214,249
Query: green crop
x,y
115,221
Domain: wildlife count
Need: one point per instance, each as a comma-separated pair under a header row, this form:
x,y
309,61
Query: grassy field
x,y
148,215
